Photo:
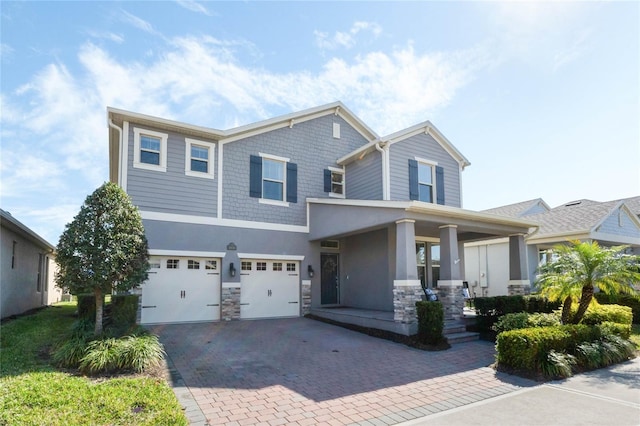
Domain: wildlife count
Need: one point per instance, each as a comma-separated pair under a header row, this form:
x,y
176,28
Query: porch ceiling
x,y
331,218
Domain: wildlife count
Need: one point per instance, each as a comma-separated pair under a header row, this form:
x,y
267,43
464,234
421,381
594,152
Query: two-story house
x,y
307,212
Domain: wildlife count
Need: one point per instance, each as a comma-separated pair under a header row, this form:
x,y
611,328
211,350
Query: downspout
x,y
120,156
383,153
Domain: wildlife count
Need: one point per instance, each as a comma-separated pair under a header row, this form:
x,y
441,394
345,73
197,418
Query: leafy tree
x,y
578,268
104,248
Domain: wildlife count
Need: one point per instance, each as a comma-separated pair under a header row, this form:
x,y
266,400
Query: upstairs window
x,y
334,182
199,158
273,179
150,150
426,181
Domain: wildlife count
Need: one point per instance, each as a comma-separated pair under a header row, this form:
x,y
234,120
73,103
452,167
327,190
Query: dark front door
x,y
329,279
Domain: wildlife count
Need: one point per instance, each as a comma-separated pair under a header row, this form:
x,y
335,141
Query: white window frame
x,y
210,146
344,187
162,167
432,164
284,201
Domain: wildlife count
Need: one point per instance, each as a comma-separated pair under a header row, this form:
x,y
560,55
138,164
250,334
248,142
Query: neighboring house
x,y
28,268
304,213
609,223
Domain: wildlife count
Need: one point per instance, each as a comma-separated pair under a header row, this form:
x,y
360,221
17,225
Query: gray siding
x,y
365,261
612,225
364,178
171,191
538,208
309,144
423,146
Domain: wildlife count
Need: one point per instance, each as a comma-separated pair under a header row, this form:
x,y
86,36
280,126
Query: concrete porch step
x,y
466,336
453,326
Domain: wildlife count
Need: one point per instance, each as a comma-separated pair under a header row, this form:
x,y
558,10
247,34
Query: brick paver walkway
x,y
304,372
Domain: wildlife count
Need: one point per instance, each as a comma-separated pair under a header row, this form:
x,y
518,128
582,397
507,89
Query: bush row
x,y
119,315
632,301
430,322
489,309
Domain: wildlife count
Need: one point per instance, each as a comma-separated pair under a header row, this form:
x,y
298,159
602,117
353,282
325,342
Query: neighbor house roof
x,y
13,224
517,209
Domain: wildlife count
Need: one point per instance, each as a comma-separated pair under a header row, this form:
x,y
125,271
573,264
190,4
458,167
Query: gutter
x,y
120,151
385,178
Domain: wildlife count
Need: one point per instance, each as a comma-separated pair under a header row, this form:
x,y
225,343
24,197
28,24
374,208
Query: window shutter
x,y
292,182
414,192
440,185
327,180
255,177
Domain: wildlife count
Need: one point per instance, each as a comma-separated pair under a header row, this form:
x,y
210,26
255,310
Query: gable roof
x,y
425,127
517,209
633,203
18,227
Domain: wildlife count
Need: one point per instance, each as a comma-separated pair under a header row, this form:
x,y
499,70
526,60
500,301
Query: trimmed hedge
x,y
527,349
430,322
608,328
87,306
597,314
124,311
632,301
490,309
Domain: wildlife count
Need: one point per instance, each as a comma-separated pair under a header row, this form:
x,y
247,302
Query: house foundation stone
x,y
230,302
405,295
518,288
306,297
452,298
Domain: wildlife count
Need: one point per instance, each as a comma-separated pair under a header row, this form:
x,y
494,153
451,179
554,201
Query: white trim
x,y
336,169
344,187
519,282
305,282
427,239
125,154
220,174
263,256
231,285
211,147
487,242
336,129
232,223
406,221
162,167
273,202
448,226
618,239
186,253
407,283
274,157
450,283
425,161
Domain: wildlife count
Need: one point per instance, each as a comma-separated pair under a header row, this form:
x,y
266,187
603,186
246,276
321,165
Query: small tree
x,y
579,268
104,248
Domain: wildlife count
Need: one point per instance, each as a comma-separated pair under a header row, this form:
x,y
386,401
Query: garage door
x,y
181,289
270,288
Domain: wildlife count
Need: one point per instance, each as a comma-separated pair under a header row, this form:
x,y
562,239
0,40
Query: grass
x,y
34,391
635,335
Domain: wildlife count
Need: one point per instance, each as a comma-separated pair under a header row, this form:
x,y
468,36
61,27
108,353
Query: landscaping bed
x,y
34,391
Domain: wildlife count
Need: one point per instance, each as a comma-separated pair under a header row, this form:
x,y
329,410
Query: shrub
x,y
630,300
87,307
609,328
540,304
101,356
124,310
134,352
490,309
543,319
597,314
557,365
70,353
512,322
430,322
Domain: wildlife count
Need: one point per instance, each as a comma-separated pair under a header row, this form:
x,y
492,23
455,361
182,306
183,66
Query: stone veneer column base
x,y
405,295
519,287
230,303
306,297
452,299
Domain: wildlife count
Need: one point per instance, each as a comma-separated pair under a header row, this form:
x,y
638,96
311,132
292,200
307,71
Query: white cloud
x,y
139,23
194,6
345,39
5,50
107,35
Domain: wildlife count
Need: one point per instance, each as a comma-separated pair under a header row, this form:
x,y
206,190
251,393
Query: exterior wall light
x,y
310,271
232,270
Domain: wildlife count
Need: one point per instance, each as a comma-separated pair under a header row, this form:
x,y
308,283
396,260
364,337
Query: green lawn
x,y
635,335
33,391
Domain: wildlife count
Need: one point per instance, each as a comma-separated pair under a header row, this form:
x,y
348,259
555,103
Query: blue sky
x,y
542,97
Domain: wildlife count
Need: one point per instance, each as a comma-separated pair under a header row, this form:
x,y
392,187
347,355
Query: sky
x,y
543,98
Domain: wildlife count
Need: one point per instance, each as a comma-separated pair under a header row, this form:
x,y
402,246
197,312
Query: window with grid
x,y
261,266
173,263
193,264
245,266
291,267
277,266
211,265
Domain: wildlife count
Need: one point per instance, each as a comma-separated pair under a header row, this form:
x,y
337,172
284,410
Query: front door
x,y
329,283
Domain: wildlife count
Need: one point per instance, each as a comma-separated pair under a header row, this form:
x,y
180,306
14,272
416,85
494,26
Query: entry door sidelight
x,y
329,281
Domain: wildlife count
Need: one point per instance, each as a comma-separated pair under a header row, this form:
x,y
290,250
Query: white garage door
x,y
181,289
270,288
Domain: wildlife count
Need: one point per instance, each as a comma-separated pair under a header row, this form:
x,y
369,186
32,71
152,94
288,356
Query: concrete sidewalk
x,y
609,396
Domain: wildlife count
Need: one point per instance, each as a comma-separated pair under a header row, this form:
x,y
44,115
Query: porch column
x,y
450,282
406,285
519,283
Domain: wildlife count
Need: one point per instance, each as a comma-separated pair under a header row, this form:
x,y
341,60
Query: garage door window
x,y
277,266
211,265
245,266
193,264
291,267
261,266
173,263
154,265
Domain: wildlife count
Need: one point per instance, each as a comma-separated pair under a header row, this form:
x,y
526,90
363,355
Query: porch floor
x,y
381,320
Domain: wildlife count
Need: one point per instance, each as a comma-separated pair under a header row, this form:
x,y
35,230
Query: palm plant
x,y
578,268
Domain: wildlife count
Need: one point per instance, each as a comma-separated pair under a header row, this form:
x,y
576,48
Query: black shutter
x,y
440,184
327,180
255,177
414,191
292,182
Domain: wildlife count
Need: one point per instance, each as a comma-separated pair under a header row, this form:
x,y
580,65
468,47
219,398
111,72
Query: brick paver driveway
x,y
302,372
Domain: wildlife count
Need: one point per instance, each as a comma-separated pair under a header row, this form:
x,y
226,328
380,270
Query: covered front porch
x,y
382,271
